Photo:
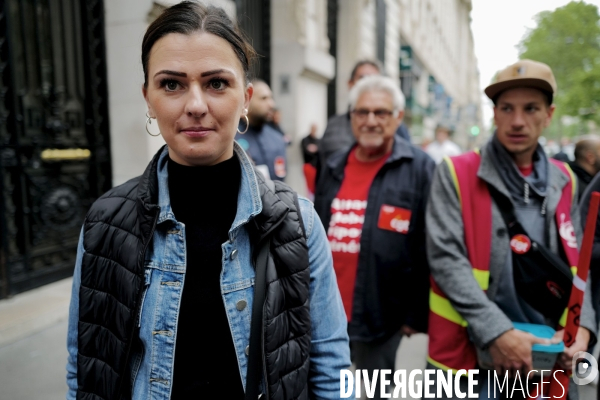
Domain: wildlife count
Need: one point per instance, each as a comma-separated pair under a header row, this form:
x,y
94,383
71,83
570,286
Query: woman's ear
x,y
145,94
248,95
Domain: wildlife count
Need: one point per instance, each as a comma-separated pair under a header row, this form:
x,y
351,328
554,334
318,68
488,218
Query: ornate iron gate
x,y
54,138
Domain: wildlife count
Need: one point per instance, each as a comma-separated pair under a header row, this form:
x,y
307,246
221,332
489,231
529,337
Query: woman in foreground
x,y
177,267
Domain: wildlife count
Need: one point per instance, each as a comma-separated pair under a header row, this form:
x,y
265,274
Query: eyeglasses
x,y
380,115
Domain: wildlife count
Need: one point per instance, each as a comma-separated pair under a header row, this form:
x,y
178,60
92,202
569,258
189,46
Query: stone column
x,y
301,67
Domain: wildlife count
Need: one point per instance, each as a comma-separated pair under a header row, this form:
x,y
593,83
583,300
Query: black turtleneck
x,y
204,199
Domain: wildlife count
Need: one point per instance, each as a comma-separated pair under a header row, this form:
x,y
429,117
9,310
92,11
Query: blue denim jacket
x,y
152,369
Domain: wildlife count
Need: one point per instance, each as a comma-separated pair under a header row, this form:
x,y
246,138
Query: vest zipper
x,y
138,312
544,205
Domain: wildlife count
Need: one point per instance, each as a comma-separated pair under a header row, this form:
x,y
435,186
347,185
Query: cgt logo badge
x,y
395,219
585,368
520,244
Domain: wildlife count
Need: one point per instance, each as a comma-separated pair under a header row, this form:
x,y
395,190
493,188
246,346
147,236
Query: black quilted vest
x,y
117,231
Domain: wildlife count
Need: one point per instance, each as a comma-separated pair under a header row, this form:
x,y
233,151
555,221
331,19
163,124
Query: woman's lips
x,y
196,132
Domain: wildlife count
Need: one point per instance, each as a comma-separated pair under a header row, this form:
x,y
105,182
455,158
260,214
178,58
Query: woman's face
x,y
197,93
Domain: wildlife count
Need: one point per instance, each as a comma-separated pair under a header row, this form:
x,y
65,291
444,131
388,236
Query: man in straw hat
x,y
491,215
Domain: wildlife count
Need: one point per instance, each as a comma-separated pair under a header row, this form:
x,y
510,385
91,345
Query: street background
x,y
443,53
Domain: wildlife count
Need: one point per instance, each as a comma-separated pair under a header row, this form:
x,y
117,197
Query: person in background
x,y
593,186
338,133
265,146
372,199
425,142
587,160
165,287
473,250
442,146
563,153
310,153
274,121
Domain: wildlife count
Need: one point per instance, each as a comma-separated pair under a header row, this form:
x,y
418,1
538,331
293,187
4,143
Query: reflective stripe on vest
x,y
449,344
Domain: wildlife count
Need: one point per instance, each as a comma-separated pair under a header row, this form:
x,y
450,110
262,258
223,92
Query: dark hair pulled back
x,y
189,17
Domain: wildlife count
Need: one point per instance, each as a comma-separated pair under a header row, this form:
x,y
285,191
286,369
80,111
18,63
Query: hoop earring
x,y
247,126
149,122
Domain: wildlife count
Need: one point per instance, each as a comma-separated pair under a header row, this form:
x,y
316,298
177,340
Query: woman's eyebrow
x,y
215,71
167,72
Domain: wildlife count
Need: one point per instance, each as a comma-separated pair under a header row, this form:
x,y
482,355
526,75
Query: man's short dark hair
x,y
359,64
445,127
547,96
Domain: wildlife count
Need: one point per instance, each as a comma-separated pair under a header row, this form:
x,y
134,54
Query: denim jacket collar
x,y
249,203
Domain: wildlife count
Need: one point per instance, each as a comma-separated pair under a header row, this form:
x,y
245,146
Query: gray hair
x,y
378,83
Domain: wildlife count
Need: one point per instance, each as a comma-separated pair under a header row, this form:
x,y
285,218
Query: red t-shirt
x,y
347,217
526,171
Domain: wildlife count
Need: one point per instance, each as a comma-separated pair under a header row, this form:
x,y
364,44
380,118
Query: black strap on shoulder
x,y
255,360
507,210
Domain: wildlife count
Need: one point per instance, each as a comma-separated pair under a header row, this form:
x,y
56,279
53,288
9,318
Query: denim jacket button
x,y
247,351
233,254
240,305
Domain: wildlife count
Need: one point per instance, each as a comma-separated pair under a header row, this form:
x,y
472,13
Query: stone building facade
x,y
439,68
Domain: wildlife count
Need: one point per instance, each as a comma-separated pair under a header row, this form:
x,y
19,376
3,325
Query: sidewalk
x,y
28,313
33,329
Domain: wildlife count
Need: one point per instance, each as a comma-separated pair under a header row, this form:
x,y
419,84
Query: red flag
x,y
557,391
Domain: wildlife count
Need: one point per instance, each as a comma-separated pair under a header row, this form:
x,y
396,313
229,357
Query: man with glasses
x,y
372,200
338,133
